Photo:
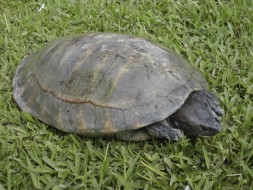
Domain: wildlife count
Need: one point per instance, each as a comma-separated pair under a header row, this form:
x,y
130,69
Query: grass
x,y
215,36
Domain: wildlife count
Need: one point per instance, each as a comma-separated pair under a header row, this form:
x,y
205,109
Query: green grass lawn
x,y
215,36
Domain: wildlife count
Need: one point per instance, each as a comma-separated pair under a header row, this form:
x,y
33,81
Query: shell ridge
x,y
62,98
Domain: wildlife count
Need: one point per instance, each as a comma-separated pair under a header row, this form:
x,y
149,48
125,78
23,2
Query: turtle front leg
x,y
161,129
164,129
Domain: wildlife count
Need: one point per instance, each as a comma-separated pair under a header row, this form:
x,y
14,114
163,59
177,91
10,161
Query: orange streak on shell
x,y
82,127
108,127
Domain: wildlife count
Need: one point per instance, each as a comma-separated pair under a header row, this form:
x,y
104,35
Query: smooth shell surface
x,y
103,83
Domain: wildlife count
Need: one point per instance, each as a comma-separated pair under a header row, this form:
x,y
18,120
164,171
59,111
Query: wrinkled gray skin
x,y
199,116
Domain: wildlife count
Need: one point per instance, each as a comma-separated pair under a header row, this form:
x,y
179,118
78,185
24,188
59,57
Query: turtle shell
x,y
103,83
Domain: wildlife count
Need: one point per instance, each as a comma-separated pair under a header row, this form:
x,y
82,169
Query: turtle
x,y
120,85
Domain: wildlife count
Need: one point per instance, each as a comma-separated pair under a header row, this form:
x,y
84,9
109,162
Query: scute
x,y
103,83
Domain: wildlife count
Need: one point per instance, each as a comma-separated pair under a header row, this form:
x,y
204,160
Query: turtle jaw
x,y
207,130
192,129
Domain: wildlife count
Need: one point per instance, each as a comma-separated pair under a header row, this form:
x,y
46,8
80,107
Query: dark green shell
x,y
103,83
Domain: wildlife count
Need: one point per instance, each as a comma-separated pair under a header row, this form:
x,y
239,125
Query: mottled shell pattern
x,y
103,83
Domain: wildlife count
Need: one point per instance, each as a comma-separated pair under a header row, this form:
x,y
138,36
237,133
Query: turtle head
x,y
199,116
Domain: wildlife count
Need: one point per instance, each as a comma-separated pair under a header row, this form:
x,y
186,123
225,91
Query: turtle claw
x,y
163,129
